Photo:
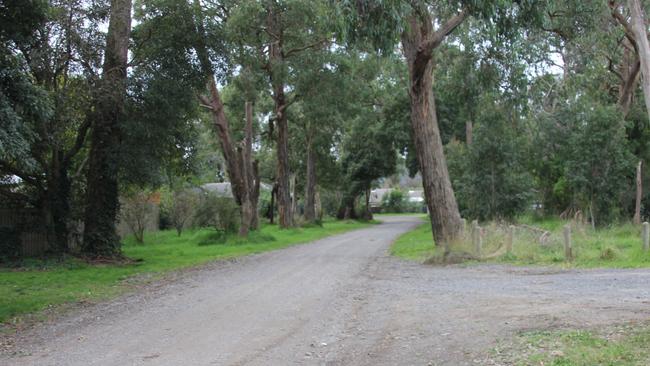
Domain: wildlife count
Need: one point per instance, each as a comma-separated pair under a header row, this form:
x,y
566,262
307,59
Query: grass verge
x,y
621,346
617,246
414,245
41,284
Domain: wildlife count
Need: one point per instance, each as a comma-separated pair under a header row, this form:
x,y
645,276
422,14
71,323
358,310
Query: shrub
x,y
178,208
218,212
395,202
137,207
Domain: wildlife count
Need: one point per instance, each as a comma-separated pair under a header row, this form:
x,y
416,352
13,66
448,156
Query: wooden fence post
x,y
463,226
568,255
646,236
510,239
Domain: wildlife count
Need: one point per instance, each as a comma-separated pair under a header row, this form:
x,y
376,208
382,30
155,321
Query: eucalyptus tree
x,y
328,88
278,34
421,27
372,135
192,38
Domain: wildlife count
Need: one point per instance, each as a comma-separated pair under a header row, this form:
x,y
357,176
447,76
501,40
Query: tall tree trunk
x,y
418,44
310,186
275,61
639,193
255,198
274,193
294,196
319,206
102,203
629,75
469,134
284,192
637,23
251,167
242,172
368,214
250,180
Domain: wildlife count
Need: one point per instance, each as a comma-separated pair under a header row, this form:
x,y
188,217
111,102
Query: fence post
x,y
568,255
463,226
476,237
646,236
511,237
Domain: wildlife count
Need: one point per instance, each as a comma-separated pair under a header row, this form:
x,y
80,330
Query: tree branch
x,y
434,41
614,8
300,49
79,142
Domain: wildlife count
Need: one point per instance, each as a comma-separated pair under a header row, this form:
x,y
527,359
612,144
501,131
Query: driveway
x,y
338,301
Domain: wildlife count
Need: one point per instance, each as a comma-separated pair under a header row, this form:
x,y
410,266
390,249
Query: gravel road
x,y
336,301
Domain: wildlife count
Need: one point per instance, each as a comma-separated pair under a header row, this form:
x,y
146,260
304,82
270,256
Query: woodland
x,y
502,108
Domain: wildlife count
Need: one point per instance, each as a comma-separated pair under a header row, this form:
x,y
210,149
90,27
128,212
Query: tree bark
x,y
629,75
255,198
637,24
418,43
276,59
242,171
639,193
310,186
102,203
368,214
294,197
319,206
274,193
252,167
469,134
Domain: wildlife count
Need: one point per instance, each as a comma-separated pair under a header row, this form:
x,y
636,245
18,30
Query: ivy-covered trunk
x,y
102,202
418,45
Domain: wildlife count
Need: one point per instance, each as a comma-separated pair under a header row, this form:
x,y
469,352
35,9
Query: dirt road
x,y
337,301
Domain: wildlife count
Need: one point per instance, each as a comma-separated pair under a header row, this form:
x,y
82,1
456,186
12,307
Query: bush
x,y
218,212
137,207
490,177
178,209
395,202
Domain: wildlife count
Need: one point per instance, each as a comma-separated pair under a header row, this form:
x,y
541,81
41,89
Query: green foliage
x,y
220,213
24,105
179,208
584,160
490,176
395,201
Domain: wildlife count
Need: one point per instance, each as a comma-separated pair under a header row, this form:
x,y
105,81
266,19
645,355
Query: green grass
x,y
40,284
617,246
414,245
623,346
